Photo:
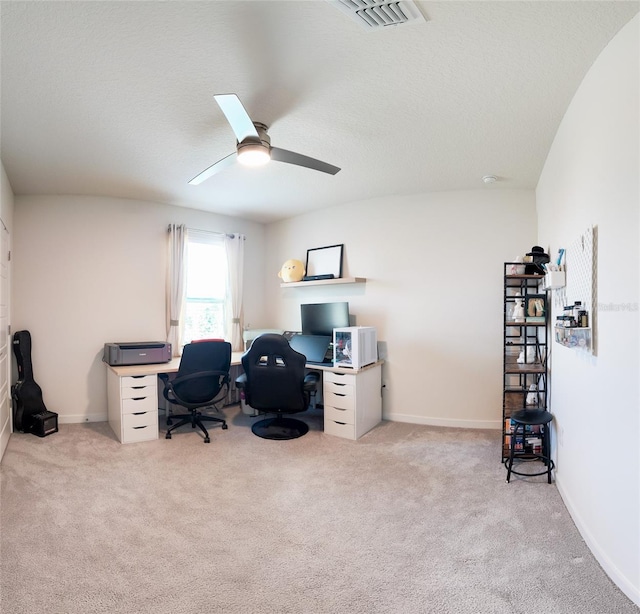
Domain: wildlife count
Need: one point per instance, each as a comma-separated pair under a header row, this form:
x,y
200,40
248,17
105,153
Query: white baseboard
x,y
78,418
617,577
393,417
427,421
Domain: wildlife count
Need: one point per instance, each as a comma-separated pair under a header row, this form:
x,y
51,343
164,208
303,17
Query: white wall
x,y
6,214
6,199
591,178
433,264
91,270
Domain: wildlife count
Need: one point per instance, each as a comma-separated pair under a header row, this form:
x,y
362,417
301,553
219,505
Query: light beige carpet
x,y
409,519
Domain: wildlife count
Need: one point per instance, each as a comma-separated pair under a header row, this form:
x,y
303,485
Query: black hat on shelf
x,y
536,250
539,258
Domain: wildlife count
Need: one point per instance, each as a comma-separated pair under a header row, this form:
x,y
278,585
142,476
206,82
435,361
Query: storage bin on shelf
x,y
554,280
574,337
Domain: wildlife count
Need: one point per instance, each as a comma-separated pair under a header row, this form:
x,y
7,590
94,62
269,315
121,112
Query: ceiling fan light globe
x,y
253,155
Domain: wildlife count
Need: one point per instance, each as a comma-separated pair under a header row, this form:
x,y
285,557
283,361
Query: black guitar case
x,y
26,394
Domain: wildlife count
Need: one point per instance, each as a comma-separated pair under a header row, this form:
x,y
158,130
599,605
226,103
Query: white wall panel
x,y
92,270
433,264
591,178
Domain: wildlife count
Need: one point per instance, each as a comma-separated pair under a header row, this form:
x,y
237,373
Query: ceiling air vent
x,y
378,14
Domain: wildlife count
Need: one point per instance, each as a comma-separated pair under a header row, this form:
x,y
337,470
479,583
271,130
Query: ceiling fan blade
x,y
290,157
214,168
237,116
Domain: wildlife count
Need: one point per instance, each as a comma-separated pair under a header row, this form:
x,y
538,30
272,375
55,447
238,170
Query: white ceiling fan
x,y
253,146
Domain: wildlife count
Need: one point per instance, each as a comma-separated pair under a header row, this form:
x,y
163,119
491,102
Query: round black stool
x,y
521,419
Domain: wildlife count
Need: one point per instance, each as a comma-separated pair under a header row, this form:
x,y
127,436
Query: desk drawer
x,y
138,391
342,397
339,388
144,402
347,431
339,378
337,414
131,381
140,427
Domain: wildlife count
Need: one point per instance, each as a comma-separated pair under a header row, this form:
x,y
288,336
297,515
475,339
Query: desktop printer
x,y
140,353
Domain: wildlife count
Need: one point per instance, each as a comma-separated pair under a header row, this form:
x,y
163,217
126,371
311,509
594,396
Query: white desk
x,y
352,398
132,398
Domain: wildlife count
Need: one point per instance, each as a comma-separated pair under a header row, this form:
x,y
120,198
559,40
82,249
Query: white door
x,y
5,345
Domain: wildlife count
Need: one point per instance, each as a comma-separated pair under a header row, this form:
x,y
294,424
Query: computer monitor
x,y
322,318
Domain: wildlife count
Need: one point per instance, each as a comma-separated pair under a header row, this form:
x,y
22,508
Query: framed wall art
x,y
324,261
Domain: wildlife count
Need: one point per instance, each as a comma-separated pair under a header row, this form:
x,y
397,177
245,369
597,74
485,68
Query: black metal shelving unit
x,y
525,343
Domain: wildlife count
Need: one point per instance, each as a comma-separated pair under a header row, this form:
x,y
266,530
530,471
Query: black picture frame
x,y
535,308
325,261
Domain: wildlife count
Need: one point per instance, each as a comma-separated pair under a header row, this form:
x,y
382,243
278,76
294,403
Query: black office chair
x,y
202,381
274,381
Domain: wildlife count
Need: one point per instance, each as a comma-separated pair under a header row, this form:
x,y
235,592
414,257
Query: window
x,y
206,301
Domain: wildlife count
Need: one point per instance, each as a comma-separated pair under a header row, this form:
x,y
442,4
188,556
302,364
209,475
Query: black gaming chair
x,y
202,381
274,381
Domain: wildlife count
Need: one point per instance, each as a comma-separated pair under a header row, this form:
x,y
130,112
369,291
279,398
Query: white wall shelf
x,y
324,282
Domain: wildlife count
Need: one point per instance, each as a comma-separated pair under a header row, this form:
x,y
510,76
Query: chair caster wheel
x,y
167,436
207,440
224,427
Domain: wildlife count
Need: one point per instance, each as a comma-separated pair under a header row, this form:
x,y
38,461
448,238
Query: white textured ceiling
x,y
116,98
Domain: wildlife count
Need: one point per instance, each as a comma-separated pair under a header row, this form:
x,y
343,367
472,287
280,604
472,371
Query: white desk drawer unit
x,y
133,406
352,401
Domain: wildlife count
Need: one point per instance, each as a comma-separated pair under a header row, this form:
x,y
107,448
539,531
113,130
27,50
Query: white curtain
x,y
176,269
234,247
